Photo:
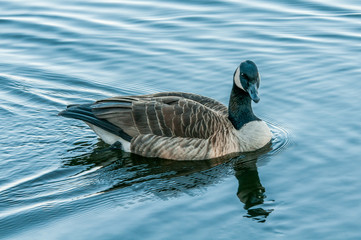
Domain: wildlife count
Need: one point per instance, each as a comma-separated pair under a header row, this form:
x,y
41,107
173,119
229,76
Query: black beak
x,y
253,92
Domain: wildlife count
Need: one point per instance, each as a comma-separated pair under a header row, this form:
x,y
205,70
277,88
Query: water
x,y
58,181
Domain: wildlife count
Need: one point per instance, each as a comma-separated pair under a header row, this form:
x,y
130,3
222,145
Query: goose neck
x,y
240,108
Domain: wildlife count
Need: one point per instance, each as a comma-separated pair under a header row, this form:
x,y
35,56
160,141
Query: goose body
x,y
180,126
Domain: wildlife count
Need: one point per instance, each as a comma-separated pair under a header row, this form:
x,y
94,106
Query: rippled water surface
x,y
59,181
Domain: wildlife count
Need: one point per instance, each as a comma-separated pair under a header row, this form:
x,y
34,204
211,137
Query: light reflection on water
x,y
55,173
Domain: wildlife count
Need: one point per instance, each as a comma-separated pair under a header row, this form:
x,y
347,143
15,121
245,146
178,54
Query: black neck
x,y
240,108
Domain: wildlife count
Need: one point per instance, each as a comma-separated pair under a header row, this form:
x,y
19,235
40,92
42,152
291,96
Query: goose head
x,y
246,77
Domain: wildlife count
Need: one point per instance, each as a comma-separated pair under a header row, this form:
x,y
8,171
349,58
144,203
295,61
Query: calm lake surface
x,y
59,181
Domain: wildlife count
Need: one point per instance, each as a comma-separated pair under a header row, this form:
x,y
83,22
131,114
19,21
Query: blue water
x,y
59,181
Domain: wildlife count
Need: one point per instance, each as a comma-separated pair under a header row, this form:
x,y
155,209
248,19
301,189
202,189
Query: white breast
x,y
253,135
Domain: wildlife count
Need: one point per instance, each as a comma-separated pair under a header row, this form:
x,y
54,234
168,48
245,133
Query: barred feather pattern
x,y
162,115
171,125
177,148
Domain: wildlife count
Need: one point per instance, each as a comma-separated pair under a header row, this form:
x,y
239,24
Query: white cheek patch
x,y
236,79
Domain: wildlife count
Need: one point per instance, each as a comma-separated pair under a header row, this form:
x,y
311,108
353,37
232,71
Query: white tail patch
x,y
110,138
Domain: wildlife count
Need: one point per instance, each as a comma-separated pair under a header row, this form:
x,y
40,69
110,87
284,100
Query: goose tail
x,y
84,112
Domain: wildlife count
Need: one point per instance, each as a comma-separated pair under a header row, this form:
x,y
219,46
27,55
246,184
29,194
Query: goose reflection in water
x,y
167,178
250,190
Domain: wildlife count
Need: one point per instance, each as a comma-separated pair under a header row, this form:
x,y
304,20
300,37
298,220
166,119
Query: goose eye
x,y
245,76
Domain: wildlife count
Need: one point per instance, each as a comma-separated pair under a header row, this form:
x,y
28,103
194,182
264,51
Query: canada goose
x,y
180,126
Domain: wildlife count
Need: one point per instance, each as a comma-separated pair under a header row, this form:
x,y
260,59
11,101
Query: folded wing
x,y
165,114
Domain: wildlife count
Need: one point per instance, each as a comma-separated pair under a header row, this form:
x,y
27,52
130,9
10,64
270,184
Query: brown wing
x,y
161,115
206,101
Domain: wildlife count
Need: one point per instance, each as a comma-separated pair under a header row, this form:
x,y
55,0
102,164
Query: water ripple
x,y
53,170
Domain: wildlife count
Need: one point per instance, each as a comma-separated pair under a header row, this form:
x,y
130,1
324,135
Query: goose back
x,y
165,114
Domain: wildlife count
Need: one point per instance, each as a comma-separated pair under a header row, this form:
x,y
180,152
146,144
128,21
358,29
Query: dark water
x,y
58,181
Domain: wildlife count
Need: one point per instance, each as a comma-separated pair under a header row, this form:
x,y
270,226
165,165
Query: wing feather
x,y
206,101
164,114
